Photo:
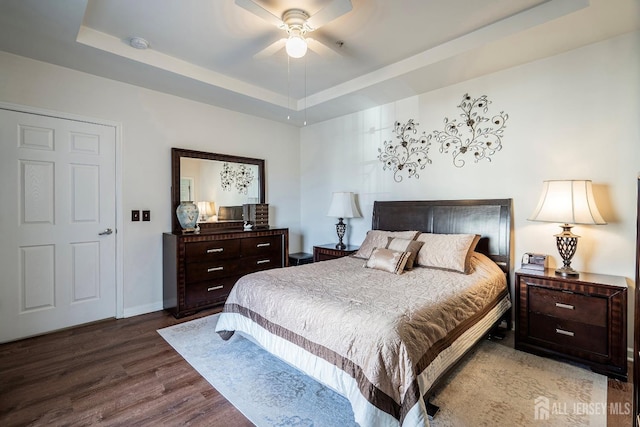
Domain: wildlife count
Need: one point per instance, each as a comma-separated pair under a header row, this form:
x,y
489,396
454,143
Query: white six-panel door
x,y
57,205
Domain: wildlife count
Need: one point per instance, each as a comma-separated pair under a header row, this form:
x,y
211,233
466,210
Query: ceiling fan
x,y
297,23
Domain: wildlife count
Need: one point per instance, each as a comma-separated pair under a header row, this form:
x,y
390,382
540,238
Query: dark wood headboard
x,y
491,219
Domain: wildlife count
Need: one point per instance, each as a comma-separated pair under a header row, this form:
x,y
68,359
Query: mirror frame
x,y
179,153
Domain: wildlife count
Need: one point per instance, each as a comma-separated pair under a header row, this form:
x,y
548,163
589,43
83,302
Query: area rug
x,y
495,386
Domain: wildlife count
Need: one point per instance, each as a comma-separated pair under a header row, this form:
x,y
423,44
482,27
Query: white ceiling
x,y
204,49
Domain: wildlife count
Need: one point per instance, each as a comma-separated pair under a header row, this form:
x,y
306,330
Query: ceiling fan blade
x,y
260,12
321,48
271,49
332,11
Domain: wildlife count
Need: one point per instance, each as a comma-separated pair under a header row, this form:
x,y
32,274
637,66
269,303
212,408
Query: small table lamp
x,y
568,202
207,211
343,205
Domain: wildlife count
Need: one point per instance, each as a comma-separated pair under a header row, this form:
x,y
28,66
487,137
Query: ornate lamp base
x,y
567,243
341,227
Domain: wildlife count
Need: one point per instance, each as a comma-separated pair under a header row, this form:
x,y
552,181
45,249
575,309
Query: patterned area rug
x,y
495,386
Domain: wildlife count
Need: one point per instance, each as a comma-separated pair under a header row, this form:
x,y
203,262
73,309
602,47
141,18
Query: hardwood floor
x,y
121,372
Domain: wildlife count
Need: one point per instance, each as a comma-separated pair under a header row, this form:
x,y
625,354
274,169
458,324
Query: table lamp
x,y
567,202
343,205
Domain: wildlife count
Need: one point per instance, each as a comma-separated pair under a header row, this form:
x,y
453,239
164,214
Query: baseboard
x,y
142,309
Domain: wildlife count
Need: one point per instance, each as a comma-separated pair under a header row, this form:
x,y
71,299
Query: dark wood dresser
x,y
200,269
582,319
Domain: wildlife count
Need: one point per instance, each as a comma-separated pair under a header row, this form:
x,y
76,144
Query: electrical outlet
x,y
135,215
146,215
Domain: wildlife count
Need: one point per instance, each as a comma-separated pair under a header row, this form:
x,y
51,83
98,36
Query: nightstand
x,y
581,319
325,252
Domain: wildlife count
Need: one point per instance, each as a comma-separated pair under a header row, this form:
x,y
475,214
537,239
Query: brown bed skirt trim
x,y
374,395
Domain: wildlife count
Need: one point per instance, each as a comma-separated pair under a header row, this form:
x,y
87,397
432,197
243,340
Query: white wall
x,y
572,116
152,123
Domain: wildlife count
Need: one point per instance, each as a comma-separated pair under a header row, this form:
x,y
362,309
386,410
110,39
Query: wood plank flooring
x,y
121,372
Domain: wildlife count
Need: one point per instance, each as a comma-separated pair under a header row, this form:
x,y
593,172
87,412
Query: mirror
x,y
219,183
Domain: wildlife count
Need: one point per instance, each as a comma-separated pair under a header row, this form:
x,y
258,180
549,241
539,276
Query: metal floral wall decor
x,y
240,178
408,156
476,136
244,178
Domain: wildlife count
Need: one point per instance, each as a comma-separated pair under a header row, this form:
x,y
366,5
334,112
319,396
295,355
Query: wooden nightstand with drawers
x,y
329,251
581,319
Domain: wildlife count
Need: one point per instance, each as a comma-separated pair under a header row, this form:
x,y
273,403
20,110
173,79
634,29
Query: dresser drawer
x,y
570,334
567,305
259,246
199,271
209,292
262,262
213,250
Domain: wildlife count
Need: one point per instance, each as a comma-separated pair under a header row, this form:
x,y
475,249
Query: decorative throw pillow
x,y
387,260
447,251
405,245
378,239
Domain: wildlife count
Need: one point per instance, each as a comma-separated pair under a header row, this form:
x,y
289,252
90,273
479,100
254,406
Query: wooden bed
x,y
323,319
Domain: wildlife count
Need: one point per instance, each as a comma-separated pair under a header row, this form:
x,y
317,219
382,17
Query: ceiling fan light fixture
x,y
296,46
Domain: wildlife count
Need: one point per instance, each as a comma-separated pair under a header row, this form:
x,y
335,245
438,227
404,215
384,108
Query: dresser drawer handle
x,y
567,306
209,270
263,245
210,251
263,261
215,288
563,332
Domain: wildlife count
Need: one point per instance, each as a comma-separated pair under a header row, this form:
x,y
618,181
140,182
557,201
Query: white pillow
x,y
379,239
447,251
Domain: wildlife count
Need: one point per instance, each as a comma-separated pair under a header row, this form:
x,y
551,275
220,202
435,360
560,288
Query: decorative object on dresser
x,y
343,205
581,319
187,214
256,214
200,269
567,202
325,252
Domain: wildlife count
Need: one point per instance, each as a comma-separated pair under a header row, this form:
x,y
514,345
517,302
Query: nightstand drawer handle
x,y
209,270
263,261
262,245
210,251
567,306
563,332
214,288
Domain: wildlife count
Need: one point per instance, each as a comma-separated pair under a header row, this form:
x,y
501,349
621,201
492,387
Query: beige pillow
x,y
447,251
405,245
379,239
387,260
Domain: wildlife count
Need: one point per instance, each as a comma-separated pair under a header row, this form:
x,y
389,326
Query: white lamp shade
x,y
296,46
343,205
567,202
206,209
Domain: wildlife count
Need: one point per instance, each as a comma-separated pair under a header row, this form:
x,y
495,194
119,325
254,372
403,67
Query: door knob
x,y
106,232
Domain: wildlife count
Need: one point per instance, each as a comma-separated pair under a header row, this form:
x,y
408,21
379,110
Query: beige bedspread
x,y
382,329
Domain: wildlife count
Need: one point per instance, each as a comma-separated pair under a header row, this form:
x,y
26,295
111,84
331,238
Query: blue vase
x,y
187,213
